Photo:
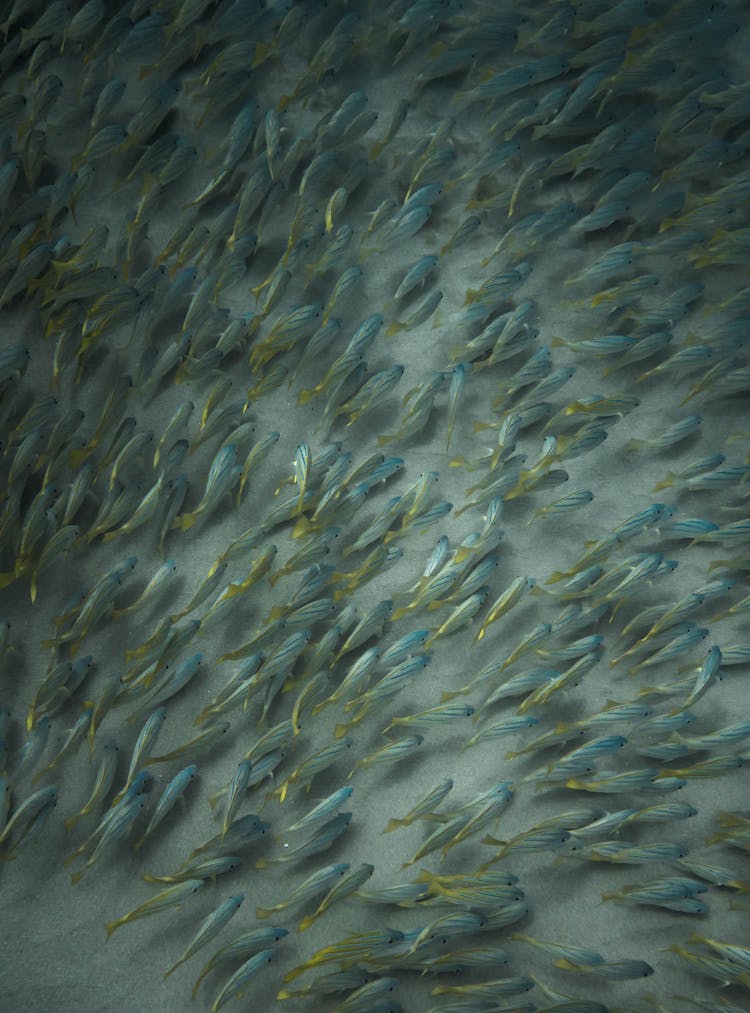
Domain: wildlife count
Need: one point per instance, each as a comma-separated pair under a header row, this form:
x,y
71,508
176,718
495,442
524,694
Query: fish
x,y
30,752
323,838
314,765
372,393
461,615
389,685
673,893
241,947
315,883
76,734
393,752
118,824
28,812
432,716
102,783
209,735
423,809
323,810
346,951
569,503
449,925
499,799
487,989
347,886
610,969
398,116
681,430
222,475
236,984
498,729
560,950
173,792
510,597
370,625
347,361
210,927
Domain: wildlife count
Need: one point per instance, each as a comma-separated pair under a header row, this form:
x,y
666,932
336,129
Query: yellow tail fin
x,y
394,824
185,521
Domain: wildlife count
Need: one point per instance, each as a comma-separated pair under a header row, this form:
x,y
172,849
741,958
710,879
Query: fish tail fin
x,y
201,37
77,457
263,912
185,521
303,526
306,923
7,578
262,863
200,978
111,927
171,971
341,730
394,824
71,821
394,328
305,395
480,427
489,839
665,483
69,859
76,877
721,615
262,51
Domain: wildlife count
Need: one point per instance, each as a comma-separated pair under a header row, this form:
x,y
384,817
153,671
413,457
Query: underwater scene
x,y
375,506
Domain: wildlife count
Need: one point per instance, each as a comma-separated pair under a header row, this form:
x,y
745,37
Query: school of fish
x,y
373,416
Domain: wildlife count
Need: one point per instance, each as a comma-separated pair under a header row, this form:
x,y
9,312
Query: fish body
x,y
238,981
210,927
323,839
